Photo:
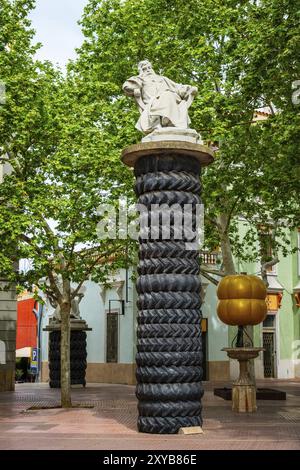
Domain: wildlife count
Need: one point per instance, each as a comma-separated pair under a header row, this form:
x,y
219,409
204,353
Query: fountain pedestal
x,y
243,390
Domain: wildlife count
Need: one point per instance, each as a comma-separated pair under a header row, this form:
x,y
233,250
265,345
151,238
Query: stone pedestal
x,y
78,353
173,134
169,349
243,390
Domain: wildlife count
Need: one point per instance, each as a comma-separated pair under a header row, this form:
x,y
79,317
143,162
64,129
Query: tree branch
x,y
212,271
29,241
90,269
209,278
213,221
54,285
264,268
230,213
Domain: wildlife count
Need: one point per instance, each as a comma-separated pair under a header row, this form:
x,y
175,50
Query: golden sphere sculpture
x,y
242,300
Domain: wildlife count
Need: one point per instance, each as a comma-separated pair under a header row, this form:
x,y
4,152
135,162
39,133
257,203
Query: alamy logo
x,y
152,222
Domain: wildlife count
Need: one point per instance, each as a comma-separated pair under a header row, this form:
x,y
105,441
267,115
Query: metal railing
x,y
210,258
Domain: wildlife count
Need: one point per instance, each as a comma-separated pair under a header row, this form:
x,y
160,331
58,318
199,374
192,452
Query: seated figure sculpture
x,y
75,310
162,102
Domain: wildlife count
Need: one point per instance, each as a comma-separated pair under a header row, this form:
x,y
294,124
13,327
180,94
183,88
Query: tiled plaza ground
x,y
111,424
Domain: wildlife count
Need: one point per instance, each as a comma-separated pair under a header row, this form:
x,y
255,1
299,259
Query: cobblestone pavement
x,y
111,423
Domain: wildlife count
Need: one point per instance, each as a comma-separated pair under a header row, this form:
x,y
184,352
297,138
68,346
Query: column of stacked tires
x,y
78,357
169,350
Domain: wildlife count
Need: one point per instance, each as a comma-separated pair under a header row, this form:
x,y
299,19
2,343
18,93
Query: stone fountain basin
x,y
243,354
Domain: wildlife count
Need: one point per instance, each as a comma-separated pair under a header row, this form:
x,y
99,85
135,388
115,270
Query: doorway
x,y
269,354
112,337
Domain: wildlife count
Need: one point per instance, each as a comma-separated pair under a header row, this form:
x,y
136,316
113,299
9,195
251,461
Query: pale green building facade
x,y
111,313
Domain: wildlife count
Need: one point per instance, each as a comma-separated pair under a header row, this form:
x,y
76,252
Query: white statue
x,y
162,102
75,311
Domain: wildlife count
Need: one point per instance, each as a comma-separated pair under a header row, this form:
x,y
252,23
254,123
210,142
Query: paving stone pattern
x,y
111,423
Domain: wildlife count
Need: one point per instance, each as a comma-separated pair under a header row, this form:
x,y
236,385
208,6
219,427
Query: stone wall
x,y
120,373
113,373
8,317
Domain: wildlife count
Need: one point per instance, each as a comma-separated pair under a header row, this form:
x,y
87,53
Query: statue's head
x,y
145,67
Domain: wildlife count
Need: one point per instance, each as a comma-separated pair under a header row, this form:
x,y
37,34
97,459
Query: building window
x,y
112,337
269,321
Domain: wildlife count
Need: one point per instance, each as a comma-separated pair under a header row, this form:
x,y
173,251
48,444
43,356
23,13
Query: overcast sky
x,y
55,22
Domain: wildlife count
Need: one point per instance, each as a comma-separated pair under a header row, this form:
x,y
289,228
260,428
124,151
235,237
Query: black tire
x,y
171,330
77,345
76,375
169,358
54,347
166,249
164,233
172,181
169,344
168,283
177,300
167,162
54,374
78,382
169,392
169,198
78,355
169,408
54,356
169,266
54,335
78,365
54,383
169,374
54,364
79,335
167,425
169,316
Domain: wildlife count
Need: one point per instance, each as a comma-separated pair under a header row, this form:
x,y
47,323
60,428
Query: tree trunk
x,y
227,257
65,375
